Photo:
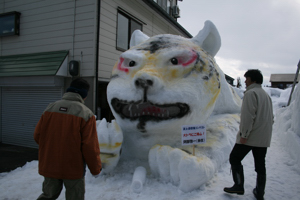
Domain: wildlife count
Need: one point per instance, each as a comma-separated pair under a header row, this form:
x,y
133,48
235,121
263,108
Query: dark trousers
x,y
52,188
239,151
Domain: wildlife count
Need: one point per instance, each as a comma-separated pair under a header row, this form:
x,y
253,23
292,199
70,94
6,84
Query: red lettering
x,y
193,134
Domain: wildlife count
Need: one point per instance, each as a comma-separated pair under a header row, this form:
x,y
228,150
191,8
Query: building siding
x,y
154,25
48,26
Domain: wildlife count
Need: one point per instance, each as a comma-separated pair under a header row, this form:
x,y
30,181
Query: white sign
x,y
193,134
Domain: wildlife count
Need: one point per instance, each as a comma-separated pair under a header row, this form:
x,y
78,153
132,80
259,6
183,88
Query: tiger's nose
x,y
143,83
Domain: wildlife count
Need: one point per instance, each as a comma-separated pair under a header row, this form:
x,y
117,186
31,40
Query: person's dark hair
x,y
255,75
80,83
80,86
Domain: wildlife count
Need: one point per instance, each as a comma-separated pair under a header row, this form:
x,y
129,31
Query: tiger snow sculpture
x,y
158,85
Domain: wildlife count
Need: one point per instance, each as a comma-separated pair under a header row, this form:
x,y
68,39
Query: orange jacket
x,y
67,138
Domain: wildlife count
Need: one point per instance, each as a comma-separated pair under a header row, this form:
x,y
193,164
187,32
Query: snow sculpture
x,y
159,84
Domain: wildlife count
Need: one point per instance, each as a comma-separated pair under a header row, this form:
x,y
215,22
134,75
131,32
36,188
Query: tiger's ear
x,y
208,39
137,37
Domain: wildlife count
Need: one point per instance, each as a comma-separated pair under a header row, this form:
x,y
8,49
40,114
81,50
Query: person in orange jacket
x,y
67,138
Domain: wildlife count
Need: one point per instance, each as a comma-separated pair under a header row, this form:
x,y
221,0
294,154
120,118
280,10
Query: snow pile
x,y
288,126
229,100
296,111
279,97
239,91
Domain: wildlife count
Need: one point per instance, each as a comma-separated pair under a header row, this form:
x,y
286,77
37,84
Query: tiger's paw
x,y
173,165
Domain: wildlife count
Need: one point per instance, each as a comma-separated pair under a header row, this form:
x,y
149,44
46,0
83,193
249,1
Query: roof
x,y
36,64
229,77
283,78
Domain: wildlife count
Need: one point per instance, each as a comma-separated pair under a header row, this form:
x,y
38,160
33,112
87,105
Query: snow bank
x,y
279,97
239,91
229,101
288,126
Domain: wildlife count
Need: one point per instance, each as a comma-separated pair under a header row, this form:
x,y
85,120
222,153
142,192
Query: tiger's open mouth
x,y
148,111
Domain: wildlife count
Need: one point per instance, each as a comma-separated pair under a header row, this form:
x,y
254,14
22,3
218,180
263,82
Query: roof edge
x,y
164,14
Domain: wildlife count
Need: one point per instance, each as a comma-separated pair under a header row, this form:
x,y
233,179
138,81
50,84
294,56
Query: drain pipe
x,y
97,59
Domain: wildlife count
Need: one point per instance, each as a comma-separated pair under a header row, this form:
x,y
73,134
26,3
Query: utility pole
x,y
295,80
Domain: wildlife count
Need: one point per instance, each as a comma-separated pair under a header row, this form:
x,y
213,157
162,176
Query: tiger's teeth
x,y
130,110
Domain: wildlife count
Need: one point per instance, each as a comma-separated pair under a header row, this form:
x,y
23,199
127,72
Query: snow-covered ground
x,y
283,170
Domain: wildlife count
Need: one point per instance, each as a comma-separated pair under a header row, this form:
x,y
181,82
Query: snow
x,y
282,162
110,144
138,179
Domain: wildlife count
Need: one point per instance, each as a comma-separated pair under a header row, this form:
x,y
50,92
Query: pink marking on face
x,y
120,66
194,57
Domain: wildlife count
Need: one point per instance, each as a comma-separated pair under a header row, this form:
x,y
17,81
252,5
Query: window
x,y
125,27
168,7
10,23
163,4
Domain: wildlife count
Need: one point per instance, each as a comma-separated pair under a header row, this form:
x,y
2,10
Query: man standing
x,y
67,138
254,134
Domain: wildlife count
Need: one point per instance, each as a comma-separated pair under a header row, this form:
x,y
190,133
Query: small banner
x,y
193,134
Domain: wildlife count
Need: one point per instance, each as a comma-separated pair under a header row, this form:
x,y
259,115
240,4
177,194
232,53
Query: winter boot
x,y
238,178
259,191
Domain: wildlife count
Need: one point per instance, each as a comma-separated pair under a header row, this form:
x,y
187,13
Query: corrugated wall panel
x,y
22,107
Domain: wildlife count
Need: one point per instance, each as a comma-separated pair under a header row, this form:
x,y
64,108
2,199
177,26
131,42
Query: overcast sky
x,y
255,34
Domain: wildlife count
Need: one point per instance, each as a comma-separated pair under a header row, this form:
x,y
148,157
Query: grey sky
x,y
255,34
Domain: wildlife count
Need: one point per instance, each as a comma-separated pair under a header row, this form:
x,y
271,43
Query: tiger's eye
x,y
174,61
131,63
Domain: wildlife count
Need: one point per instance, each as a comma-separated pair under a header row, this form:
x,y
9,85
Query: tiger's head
x,y
165,81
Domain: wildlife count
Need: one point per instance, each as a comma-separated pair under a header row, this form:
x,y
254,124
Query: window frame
x,y
131,19
15,25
